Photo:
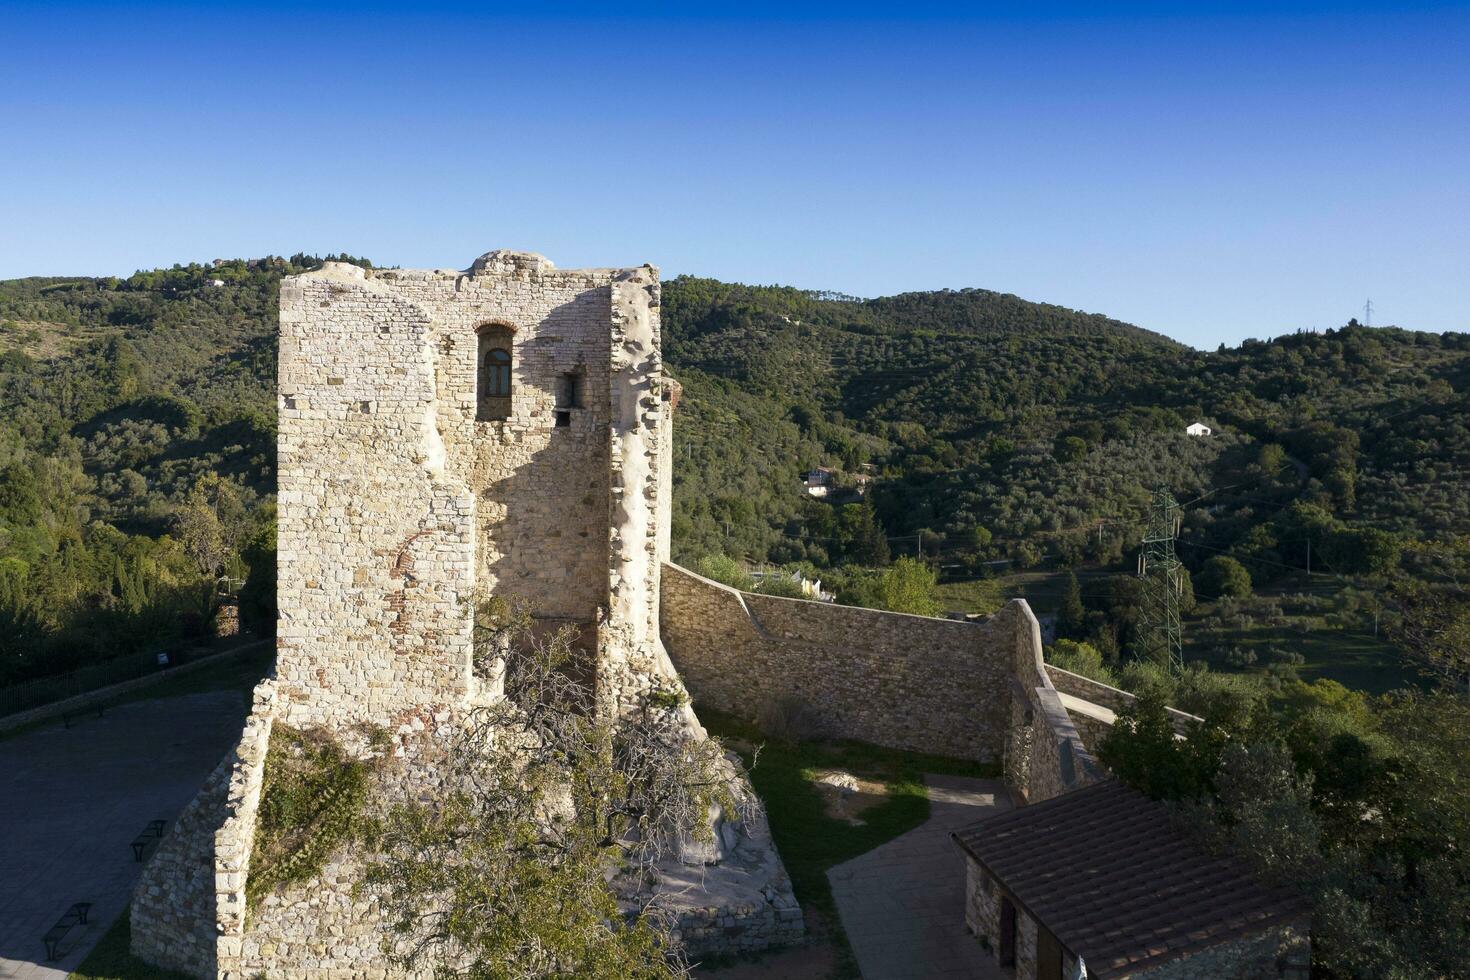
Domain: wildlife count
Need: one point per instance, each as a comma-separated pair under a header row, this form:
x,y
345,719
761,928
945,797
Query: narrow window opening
x,y
493,375
569,390
563,419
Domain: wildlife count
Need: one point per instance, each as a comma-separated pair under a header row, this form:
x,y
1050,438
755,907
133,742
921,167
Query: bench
x,y
152,832
74,916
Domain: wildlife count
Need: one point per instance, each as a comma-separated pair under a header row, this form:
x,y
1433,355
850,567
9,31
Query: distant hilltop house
x,y
1199,429
819,481
823,483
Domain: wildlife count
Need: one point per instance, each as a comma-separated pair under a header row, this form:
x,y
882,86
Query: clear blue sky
x,y
1212,171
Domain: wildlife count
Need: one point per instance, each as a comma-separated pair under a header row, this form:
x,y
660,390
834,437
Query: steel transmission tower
x,y
1160,636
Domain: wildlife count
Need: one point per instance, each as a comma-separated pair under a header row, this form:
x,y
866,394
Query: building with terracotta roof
x,y
1098,883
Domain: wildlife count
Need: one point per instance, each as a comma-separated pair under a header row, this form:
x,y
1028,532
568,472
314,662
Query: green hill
x,y
990,434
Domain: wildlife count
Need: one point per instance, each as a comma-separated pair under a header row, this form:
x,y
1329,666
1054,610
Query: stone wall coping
x,y
1100,693
741,597
1076,705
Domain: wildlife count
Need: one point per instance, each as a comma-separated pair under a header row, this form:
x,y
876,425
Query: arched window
x,y
497,373
493,363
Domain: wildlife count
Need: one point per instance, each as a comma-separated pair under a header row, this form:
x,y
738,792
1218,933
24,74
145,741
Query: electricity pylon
x,y
1160,635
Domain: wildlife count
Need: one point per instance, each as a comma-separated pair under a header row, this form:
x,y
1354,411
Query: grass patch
x,y
311,803
111,960
810,841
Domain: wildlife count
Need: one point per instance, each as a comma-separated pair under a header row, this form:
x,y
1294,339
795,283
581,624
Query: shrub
x,y
725,570
1081,658
1224,576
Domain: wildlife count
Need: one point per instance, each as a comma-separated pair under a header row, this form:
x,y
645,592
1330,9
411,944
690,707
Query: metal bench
x,y
74,916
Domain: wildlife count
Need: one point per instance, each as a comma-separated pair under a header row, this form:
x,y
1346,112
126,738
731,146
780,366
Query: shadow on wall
x,y
542,487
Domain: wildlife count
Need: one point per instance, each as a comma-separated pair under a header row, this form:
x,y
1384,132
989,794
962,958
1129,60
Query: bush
x,y
726,571
1080,658
1223,576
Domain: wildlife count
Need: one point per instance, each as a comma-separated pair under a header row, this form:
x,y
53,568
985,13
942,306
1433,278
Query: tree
x,y
725,570
1224,577
1068,449
1071,616
908,586
1080,658
1142,750
545,802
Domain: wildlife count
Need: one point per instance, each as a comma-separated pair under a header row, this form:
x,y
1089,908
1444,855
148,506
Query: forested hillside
x,y
989,436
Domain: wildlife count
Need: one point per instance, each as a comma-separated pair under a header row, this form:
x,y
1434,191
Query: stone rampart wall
x,y
235,839
1112,698
188,909
908,682
173,906
1045,754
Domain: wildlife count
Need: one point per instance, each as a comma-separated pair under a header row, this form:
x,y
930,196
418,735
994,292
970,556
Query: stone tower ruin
x,y
443,437
446,435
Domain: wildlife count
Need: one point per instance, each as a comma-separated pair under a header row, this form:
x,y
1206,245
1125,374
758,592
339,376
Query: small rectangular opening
x,y
569,390
563,420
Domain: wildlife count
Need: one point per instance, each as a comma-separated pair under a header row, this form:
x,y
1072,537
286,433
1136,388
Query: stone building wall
x,y
907,682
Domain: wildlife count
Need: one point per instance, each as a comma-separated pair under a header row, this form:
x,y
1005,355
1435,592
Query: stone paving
x,y
903,904
71,801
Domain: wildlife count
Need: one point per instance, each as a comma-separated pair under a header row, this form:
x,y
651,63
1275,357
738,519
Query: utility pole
x,y
1309,558
1160,633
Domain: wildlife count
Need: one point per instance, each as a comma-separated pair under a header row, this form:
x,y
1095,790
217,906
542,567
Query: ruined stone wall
x,y
631,654
173,905
400,501
908,682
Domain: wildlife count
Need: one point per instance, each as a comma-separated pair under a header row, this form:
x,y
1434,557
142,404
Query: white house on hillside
x,y
1199,429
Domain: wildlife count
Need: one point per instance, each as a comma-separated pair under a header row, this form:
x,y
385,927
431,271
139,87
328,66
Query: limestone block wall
x,y
188,909
908,682
375,545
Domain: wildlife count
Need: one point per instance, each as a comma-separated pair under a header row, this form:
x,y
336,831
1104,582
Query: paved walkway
x,y
903,904
71,801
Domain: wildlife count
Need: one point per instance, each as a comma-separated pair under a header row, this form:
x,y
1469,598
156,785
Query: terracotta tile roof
x,y
1103,869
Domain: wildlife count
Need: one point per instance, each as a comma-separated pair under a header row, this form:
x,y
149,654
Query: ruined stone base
x,y
742,905
189,911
